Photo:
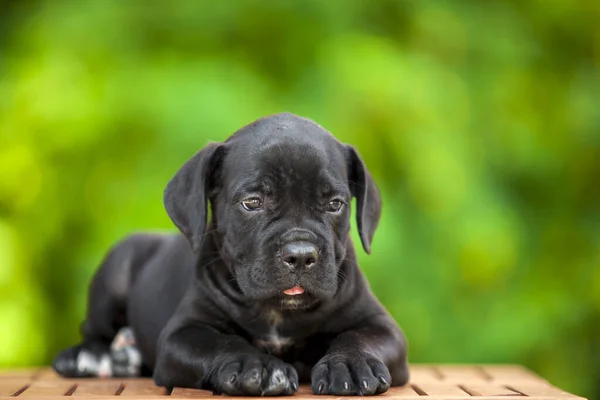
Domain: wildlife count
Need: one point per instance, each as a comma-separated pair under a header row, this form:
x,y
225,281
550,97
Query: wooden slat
x,y
304,390
475,389
17,373
424,374
88,387
461,374
142,387
47,388
47,374
543,390
442,390
510,374
400,392
183,392
11,386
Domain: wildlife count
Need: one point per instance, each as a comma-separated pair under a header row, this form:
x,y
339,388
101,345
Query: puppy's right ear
x,y
185,197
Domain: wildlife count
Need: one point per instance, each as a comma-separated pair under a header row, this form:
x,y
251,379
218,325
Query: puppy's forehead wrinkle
x,y
280,177
264,163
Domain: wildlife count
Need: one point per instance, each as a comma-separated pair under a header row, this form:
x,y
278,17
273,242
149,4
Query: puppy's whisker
x,y
342,276
209,263
208,232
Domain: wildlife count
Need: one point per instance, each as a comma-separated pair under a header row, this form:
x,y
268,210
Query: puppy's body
x,y
208,307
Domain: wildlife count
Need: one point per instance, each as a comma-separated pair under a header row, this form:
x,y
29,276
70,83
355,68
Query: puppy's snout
x,y
298,255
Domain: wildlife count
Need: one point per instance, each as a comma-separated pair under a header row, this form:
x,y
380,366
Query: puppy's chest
x,y
274,342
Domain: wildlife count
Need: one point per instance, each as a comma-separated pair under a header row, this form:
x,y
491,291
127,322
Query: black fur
x,y
207,308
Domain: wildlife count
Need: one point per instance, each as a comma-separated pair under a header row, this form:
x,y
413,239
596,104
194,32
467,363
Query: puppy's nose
x,y
297,255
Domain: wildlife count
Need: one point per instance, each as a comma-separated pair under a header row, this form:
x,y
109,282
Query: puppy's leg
x,y
363,361
91,358
106,308
193,353
200,357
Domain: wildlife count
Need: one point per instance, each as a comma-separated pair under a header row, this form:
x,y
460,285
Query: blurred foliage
x,y
479,120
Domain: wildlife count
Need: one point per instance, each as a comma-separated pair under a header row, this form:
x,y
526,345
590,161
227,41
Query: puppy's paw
x,y
83,362
65,363
256,375
350,374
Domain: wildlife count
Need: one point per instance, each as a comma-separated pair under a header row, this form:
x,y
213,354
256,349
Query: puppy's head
x,y
280,190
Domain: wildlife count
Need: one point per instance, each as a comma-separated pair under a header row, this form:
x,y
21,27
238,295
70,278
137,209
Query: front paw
x,y
350,374
256,375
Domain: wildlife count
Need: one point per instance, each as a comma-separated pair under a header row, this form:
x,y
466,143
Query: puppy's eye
x,y
335,206
252,204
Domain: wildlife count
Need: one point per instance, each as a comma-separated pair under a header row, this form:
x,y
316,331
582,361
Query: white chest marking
x,y
274,343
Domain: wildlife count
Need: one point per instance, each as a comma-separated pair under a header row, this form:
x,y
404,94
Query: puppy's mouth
x,y
294,291
296,299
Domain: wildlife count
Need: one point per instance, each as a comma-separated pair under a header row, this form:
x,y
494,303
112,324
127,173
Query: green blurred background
x,y
479,120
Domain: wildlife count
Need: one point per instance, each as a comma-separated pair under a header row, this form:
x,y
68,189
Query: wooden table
x,y
427,381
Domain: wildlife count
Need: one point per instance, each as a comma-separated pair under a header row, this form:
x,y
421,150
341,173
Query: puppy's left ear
x,y
186,195
368,199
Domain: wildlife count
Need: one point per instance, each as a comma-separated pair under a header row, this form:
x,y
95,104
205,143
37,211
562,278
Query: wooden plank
x,y
400,392
48,388
142,387
9,387
47,374
488,389
546,390
424,374
17,373
87,388
510,374
304,390
461,374
441,390
184,392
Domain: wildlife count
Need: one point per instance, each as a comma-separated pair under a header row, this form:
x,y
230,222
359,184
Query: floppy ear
x,y
185,197
368,199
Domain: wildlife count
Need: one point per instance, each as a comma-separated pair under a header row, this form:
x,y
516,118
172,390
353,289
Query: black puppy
x,y
266,296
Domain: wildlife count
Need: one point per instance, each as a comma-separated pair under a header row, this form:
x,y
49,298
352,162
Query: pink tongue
x,y
293,291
